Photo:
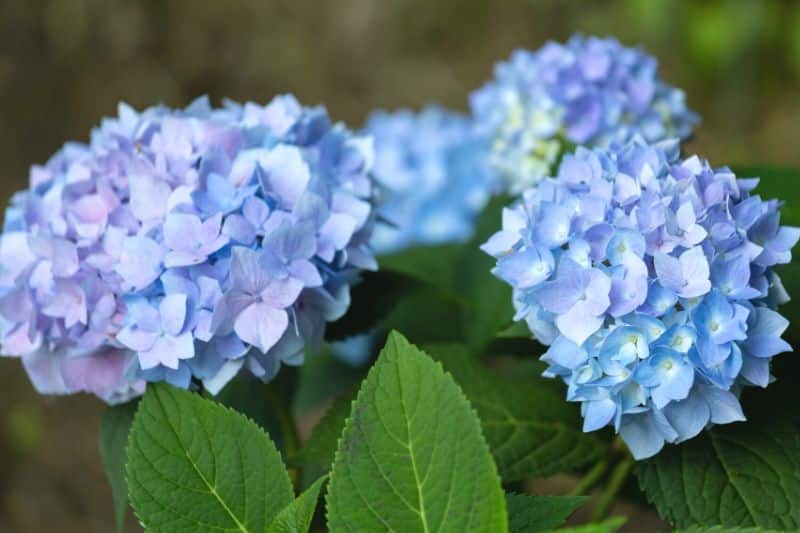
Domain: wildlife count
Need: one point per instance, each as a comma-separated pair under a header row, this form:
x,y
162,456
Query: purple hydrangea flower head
x,y
432,169
588,92
651,280
182,245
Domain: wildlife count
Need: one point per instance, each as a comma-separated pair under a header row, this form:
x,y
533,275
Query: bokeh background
x,y
66,63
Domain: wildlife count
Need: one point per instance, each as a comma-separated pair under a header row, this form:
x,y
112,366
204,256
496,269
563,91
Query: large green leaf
x,y
412,457
297,516
530,514
531,428
737,475
113,436
194,465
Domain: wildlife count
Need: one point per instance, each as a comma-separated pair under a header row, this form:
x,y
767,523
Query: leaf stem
x,y
289,436
618,477
591,478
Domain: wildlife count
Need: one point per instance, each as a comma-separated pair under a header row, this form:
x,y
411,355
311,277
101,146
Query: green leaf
x,y
297,516
194,465
372,299
531,428
609,525
248,397
114,428
431,264
490,307
412,457
733,475
530,514
427,316
324,377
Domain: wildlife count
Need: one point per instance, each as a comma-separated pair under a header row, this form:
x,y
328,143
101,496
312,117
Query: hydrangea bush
x,y
651,279
185,244
186,255
588,91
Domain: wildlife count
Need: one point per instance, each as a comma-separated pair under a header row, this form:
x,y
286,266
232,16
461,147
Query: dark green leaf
x,y
434,265
412,457
427,316
114,428
530,514
489,308
531,428
322,378
371,300
737,475
194,465
297,516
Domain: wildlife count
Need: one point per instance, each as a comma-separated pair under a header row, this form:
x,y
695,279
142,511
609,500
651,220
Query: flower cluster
x,y
183,245
432,167
588,92
651,279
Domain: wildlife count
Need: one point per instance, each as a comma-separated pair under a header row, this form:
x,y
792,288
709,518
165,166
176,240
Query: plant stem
x,y
618,477
291,440
590,479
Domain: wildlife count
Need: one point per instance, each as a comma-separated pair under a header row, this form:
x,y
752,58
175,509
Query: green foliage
x,y
248,397
113,436
722,529
453,296
530,427
607,526
412,457
320,449
194,465
371,300
531,514
734,475
296,517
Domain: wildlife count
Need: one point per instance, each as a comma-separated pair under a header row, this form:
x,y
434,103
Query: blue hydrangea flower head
x,y
651,280
589,92
432,169
183,245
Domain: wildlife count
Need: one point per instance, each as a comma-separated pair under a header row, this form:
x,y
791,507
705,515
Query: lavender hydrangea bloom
x,y
184,244
432,168
651,279
588,92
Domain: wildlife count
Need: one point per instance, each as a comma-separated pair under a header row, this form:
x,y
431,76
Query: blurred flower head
x,y
589,92
184,244
651,279
432,169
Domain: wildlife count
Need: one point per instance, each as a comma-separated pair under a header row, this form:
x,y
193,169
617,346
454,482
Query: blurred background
x,y
66,63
